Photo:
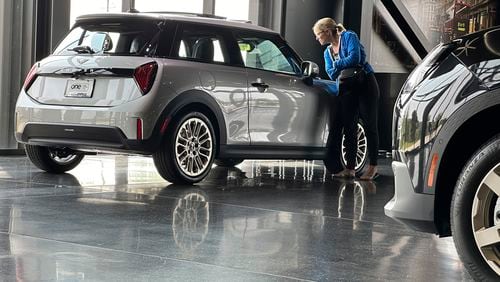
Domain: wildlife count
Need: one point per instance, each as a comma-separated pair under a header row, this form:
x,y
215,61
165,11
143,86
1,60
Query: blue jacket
x,y
351,54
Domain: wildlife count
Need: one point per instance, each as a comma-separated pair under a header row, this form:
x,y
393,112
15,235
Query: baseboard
x,y
12,152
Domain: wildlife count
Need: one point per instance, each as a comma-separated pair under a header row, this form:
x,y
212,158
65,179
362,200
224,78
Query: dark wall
x,y
389,86
299,18
352,15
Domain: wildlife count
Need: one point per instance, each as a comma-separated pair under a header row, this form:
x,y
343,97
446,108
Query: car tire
x,y
475,210
362,153
186,158
228,162
53,160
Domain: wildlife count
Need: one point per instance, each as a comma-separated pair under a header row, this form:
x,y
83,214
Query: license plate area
x,y
79,88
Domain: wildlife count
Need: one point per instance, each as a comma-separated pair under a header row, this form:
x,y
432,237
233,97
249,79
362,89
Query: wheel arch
x,y
474,131
193,100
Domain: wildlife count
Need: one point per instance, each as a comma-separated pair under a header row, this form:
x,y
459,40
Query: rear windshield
x,y
115,38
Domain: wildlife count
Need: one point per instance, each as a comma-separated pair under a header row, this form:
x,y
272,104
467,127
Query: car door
x,y
283,109
209,60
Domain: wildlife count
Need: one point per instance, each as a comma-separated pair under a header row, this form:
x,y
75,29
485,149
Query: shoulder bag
x,y
352,76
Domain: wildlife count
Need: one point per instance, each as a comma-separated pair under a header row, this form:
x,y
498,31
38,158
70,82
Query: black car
x,y
446,149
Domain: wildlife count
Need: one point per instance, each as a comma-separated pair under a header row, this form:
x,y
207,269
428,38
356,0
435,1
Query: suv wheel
x,y
475,213
228,162
54,160
188,153
362,153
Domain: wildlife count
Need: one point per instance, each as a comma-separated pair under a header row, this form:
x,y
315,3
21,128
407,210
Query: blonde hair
x,y
328,24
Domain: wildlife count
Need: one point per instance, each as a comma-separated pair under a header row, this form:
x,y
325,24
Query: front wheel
x,y
188,151
54,160
361,153
475,213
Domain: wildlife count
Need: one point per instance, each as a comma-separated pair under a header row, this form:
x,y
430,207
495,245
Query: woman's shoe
x,y
370,174
346,173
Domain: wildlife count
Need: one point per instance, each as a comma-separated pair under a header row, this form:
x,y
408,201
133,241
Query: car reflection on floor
x,y
260,220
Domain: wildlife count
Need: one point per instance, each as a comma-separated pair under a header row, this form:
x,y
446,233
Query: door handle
x,y
259,83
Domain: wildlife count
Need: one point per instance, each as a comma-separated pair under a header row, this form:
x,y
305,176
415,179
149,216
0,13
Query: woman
x,y
345,51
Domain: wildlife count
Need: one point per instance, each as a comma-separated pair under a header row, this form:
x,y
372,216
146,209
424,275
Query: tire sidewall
x,y
485,159
172,140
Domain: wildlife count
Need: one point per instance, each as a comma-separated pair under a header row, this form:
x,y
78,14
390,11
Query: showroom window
x,y
231,9
82,7
189,6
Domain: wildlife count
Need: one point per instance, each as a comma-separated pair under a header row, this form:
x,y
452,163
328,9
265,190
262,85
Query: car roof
x,y
173,16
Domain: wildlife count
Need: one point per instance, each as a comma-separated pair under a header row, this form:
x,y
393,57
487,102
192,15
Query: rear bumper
x,y
123,117
112,129
82,138
413,209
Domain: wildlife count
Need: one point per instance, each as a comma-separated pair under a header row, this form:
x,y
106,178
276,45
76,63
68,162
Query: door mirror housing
x,y
310,69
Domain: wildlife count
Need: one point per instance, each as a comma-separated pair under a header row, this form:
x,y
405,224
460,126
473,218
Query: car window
x,y
112,38
263,53
201,46
481,54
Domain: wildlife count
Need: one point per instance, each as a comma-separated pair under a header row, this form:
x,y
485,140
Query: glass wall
x,y
190,6
82,7
444,20
232,9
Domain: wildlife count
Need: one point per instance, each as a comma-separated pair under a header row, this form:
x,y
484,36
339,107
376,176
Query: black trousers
x,y
351,104
343,119
369,95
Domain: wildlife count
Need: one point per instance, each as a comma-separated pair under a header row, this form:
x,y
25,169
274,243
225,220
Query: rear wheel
x,y
54,160
475,213
188,152
228,162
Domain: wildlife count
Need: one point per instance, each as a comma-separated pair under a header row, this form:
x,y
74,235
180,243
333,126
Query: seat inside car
x,y
203,49
136,45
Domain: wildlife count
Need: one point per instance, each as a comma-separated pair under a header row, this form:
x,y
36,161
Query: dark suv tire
x,y
53,160
188,151
228,162
475,213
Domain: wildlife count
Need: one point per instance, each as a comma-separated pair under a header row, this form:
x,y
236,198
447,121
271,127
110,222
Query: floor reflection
x,y
190,220
259,221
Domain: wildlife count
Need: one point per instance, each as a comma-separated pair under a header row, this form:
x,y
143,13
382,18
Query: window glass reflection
x,y
444,20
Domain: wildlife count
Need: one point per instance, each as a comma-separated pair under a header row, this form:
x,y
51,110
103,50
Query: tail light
x,y
145,76
30,78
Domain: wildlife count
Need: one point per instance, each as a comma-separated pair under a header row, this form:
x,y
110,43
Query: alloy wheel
x,y
193,147
486,218
362,151
61,156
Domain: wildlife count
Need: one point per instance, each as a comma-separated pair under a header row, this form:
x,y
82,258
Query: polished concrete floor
x,y
113,218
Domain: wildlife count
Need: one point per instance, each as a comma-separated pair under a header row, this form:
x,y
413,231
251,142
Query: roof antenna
x,y
133,10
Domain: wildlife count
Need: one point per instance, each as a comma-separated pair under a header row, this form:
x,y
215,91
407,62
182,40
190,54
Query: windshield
x,y
116,38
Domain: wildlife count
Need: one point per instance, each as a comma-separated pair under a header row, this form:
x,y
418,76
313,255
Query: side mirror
x,y
310,69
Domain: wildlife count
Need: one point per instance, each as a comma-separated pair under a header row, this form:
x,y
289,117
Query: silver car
x,y
187,89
